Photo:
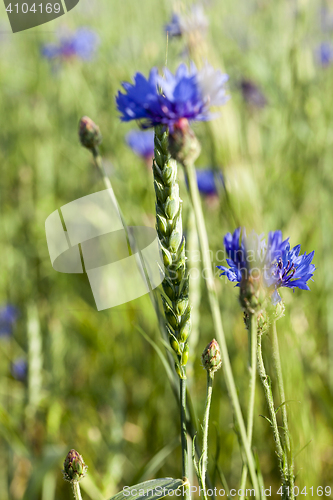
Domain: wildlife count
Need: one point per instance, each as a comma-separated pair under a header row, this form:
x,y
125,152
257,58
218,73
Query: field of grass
x,y
93,381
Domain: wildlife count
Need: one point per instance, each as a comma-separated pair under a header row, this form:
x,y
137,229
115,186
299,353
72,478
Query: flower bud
x,y
211,357
89,133
74,467
183,144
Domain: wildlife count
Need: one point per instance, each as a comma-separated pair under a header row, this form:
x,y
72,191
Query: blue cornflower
x,y
277,264
142,143
8,317
81,44
324,53
19,369
286,267
174,27
192,22
244,254
206,179
167,101
252,94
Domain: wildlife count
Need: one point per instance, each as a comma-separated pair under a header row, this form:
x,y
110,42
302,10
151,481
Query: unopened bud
x,y
211,357
89,133
183,144
74,467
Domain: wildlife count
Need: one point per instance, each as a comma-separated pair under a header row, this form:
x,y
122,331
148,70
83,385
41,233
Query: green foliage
x,y
100,386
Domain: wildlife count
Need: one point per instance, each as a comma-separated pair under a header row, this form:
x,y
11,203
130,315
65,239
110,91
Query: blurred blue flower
x,y
324,53
278,265
252,94
19,369
207,179
191,22
187,94
81,44
174,28
142,143
8,317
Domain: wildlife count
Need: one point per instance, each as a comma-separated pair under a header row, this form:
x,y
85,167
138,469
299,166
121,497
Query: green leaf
x,y
149,490
266,418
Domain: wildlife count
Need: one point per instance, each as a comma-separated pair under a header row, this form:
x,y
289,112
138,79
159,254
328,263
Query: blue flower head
x,y
277,264
252,94
174,27
244,255
286,267
81,44
207,180
324,53
8,317
188,94
142,143
192,22
19,369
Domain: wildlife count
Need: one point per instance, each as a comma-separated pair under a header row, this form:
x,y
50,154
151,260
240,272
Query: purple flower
x,y
174,28
81,44
244,254
286,266
19,369
194,20
207,179
142,143
252,94
187,94
278,264
324,53
8,317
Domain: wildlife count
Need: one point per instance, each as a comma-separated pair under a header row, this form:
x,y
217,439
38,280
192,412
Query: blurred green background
x,y
94,383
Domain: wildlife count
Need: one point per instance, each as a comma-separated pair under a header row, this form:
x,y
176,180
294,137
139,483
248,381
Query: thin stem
x,y
76,490
183,434
278,370
252,390
217,320
210,379
270,403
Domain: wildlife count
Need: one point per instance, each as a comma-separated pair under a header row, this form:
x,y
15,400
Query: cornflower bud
x,y
89,133
74,467
211,357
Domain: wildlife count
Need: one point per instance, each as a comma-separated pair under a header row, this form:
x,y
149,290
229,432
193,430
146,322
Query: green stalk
x,y
217,320
271,408
76,490
185,468
204,459
278,370
107,183
252,390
